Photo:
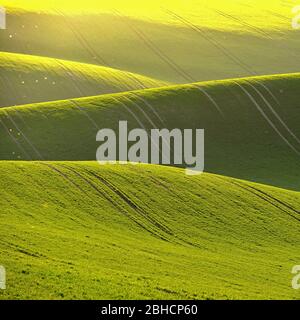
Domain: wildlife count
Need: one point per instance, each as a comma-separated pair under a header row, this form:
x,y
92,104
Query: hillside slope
x,y
27,79
175,42
81,231
251,125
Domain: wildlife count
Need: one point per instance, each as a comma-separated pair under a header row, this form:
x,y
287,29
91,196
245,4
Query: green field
x,y
167,40
77,230
73,229
251,125
27,79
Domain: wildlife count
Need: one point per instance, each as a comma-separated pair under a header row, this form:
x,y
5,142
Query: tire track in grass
x,y
135,116
67,178
243,23
114,203
99,59
275,113
22,249
264,196
188,204
81,39
276,200
53,168
152,47
142,212
265,116
78,187
147,117
246,217
149,106
218,45
242,186
122,195
69,72
85,113
269,91
269,200
207,37
172,64
278,15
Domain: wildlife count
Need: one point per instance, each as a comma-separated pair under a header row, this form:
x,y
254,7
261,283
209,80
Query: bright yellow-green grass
x,y
251,125
202,12
81,231
27,79
72,229
191,41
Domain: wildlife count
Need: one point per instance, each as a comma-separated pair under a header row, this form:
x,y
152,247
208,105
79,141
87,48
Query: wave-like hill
x,y
251,125
27,79
81,231
187,43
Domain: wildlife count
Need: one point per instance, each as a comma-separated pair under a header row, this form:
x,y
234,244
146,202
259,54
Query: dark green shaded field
x,y
251,125
27,79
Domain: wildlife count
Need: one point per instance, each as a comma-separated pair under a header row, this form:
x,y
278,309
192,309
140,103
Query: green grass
x,y
239,141
253,39
72,229
28,79
82,231
204,13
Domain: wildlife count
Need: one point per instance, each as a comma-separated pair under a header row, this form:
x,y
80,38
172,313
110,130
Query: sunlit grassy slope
x,y
173,41
201,12
78,230
27,79
81,231
251,125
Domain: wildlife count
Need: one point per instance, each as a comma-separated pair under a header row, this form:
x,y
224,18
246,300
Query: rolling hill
x,y
81,231
72,229
165,40
27,79
251,125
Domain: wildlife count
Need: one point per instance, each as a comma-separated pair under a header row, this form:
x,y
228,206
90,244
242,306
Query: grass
x,y
28,79
76,230
205,41
72,229
204,13
252,136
